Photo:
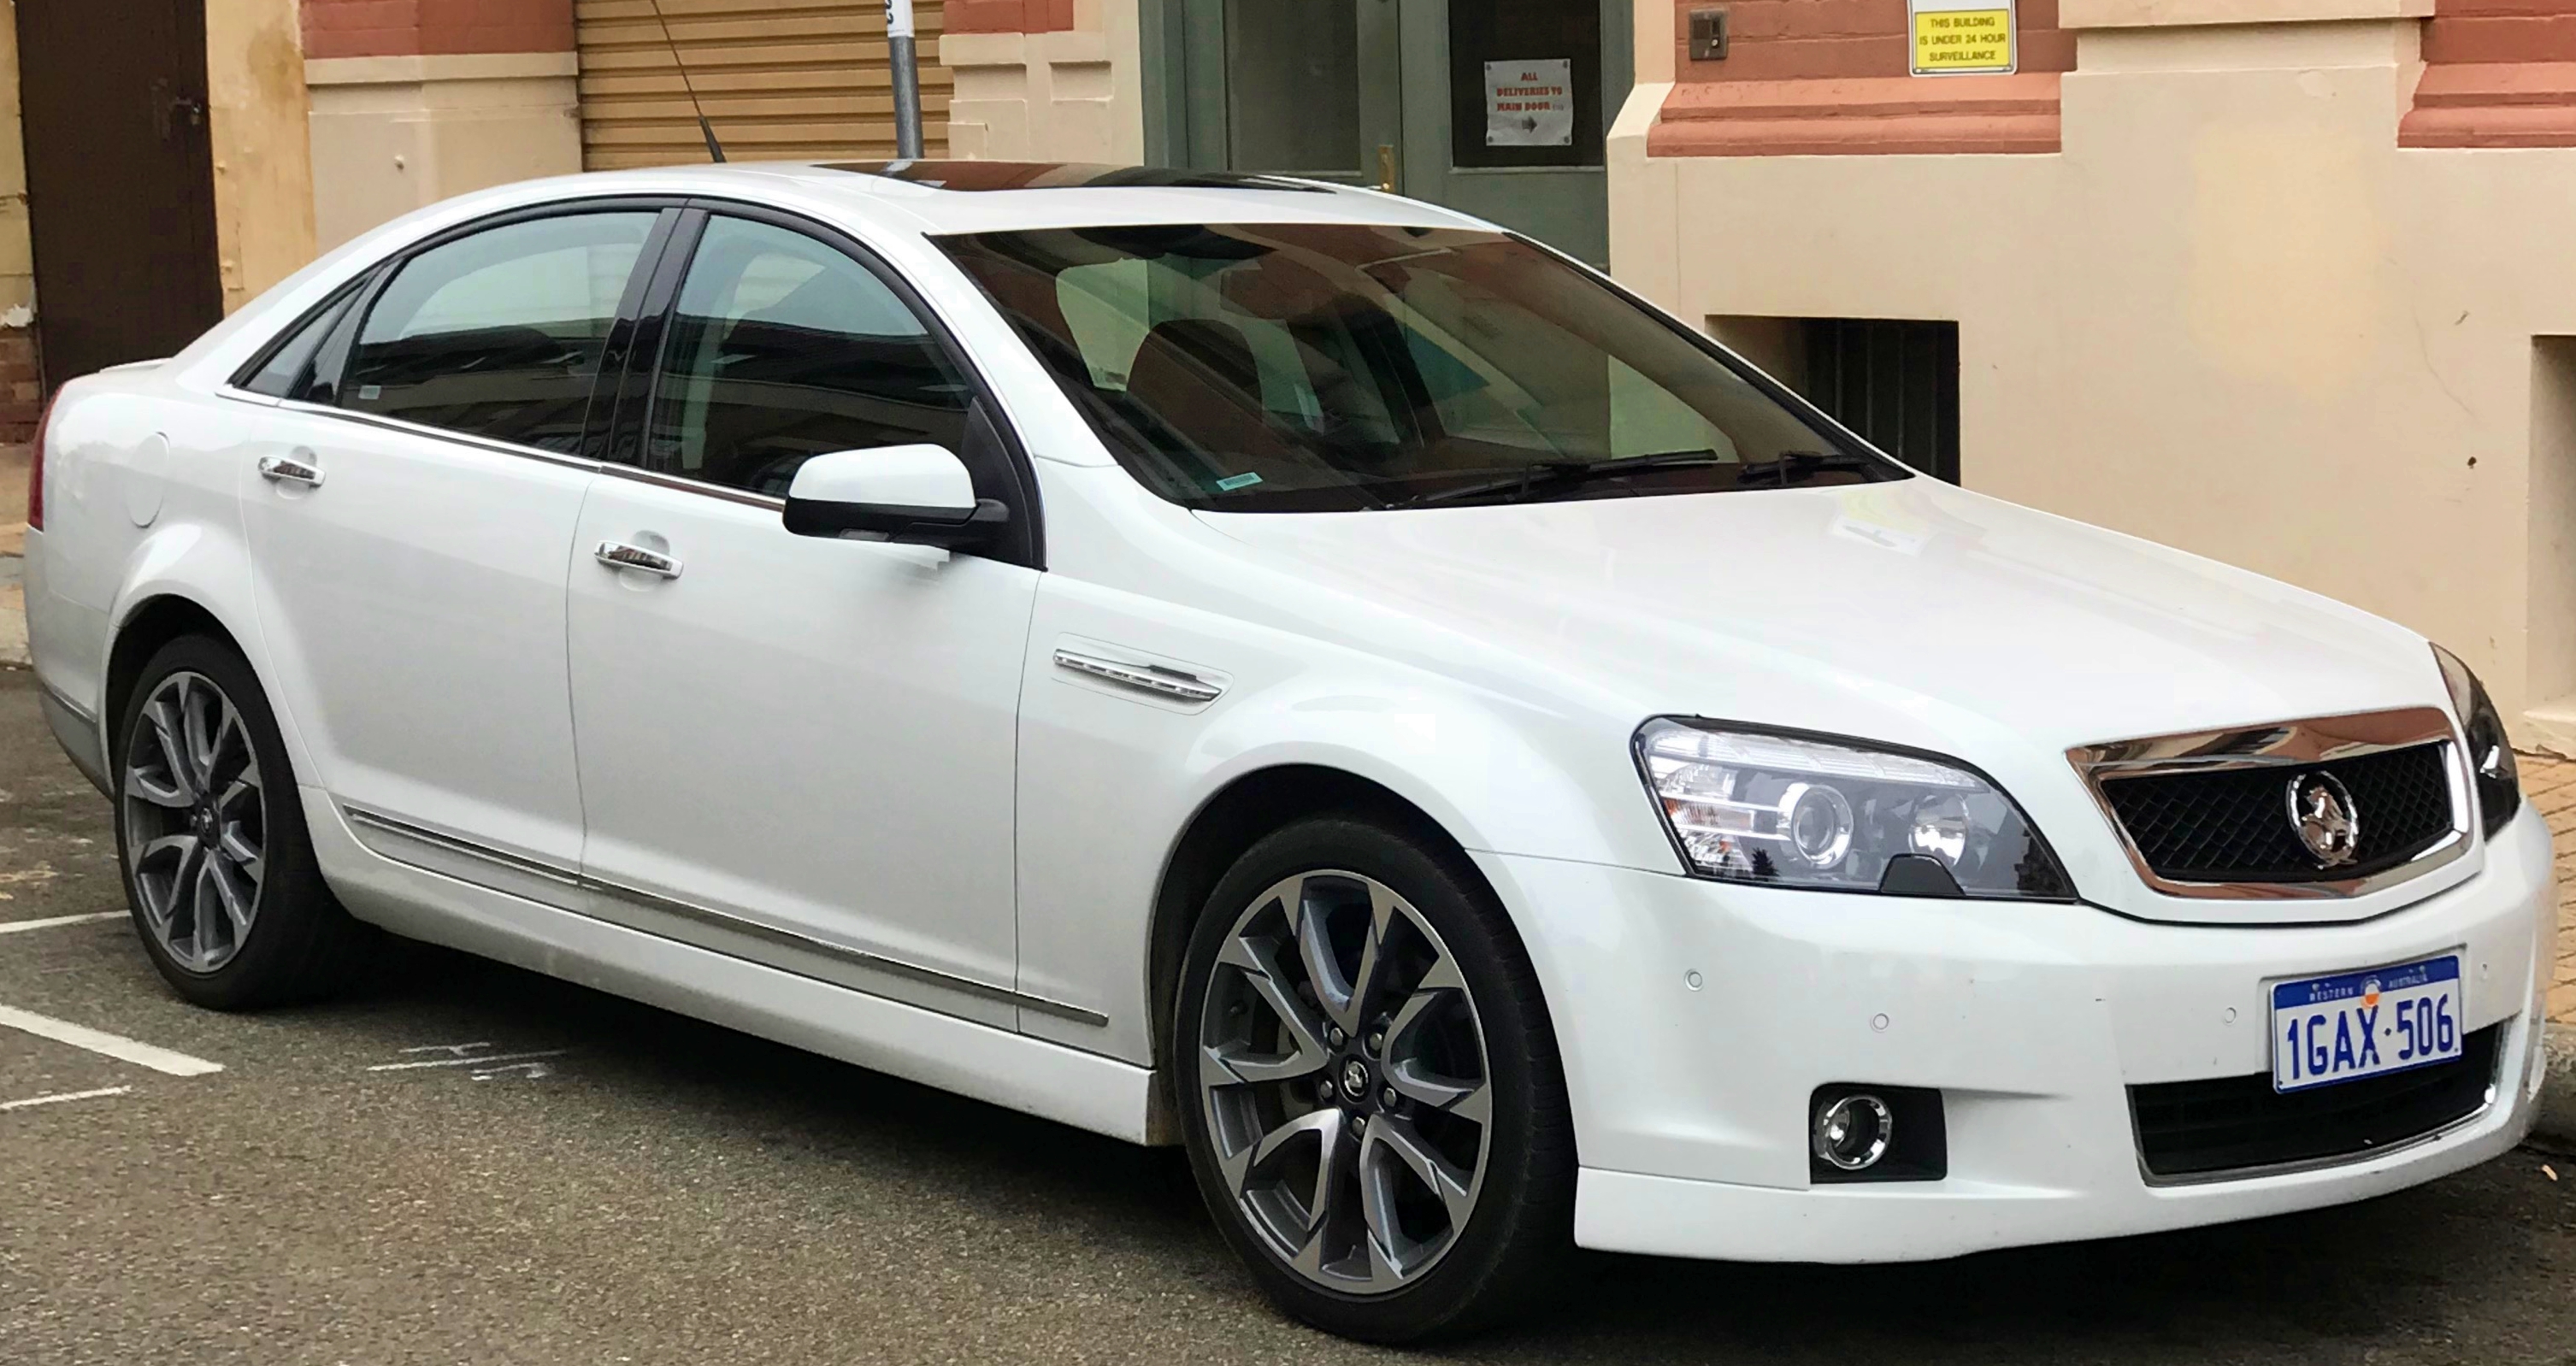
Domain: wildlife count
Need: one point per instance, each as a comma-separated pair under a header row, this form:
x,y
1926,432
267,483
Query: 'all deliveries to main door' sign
x,y
1529,104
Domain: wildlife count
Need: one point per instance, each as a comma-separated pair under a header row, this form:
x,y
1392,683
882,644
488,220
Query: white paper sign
x,y
1529,104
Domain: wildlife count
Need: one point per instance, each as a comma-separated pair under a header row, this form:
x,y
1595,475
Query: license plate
x,y
2365,1024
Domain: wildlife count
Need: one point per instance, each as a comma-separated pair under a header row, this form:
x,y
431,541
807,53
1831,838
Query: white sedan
x,y
1291,672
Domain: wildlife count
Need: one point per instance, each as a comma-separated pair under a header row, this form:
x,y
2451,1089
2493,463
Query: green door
x,y
1494,107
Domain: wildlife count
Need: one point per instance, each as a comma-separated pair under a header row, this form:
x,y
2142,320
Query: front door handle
x,y
620,555
291,469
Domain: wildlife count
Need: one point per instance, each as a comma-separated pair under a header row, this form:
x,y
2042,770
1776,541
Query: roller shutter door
x,y
782,80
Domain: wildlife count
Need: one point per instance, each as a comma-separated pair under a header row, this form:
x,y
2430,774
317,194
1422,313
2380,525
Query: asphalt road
x,y
619,1184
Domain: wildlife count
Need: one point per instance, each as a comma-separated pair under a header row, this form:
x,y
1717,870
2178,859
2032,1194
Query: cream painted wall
x,y
263,164
393,134
2231,315
17,253
1076,95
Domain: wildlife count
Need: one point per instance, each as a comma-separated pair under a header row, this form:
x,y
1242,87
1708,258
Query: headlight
x,y
2490,753
1748,806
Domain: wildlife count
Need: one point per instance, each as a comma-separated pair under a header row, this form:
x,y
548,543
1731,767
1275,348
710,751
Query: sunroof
x,y
1065,175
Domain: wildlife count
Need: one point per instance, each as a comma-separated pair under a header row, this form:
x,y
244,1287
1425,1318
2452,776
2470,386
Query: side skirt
x,y
1012,1070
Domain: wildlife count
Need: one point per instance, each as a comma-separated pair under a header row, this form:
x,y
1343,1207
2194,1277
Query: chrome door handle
x,y
291,469
620,555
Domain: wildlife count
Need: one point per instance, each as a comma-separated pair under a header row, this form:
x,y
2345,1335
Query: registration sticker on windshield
x,y
2366,1024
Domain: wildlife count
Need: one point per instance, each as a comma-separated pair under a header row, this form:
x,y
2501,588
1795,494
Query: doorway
x,y
1497,108
120,179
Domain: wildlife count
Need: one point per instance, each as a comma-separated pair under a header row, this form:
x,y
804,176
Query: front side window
x,y
499,334
782,348
1336,367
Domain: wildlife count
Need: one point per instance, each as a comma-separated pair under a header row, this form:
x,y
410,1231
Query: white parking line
x,y
100,1041
60,1097
465,1062
14,926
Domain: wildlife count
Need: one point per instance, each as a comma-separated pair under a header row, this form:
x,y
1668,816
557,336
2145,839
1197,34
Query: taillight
x,y
36,471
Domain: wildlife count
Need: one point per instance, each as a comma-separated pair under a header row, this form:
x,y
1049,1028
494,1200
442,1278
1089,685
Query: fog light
x,y
1853,1132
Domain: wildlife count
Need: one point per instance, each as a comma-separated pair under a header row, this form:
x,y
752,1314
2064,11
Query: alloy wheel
x,y
1342,1073
195,826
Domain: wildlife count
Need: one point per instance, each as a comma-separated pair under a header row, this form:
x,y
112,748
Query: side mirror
x,y
917,495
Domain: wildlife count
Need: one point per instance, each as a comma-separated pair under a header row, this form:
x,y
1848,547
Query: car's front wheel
x,y
209,828
1371,1093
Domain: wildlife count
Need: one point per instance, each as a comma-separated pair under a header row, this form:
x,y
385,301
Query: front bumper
x,y
1690,1101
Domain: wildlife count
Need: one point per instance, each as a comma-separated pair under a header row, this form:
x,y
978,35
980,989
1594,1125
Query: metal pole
x,y
907,80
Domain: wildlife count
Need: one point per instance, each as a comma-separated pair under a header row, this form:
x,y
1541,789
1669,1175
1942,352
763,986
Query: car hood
x,y
1911,613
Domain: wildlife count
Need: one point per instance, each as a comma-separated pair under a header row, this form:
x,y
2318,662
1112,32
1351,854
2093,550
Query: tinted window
x,y
1330,367
499,334
782,348
286,368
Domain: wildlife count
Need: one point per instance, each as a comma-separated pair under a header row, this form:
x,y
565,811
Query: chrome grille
x,y
2231,825
2209,813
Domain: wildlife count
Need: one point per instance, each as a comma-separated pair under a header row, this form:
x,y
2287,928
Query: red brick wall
x,y
403,28
21,387
2497,73
1834,77
2501,31
1007,16
1773,40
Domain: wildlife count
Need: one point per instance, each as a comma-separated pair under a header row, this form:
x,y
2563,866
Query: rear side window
x,y
499,334
289,365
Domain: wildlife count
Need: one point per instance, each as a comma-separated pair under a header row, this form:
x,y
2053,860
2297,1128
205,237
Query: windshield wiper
x,y
1789,467
1540,474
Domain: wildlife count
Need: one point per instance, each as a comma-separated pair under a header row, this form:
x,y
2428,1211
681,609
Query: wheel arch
x,y
148,624
1233,819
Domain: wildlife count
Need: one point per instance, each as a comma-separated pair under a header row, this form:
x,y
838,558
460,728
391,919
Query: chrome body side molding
x,y
517,863
617,896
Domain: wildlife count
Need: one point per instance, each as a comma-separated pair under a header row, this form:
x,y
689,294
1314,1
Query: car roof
x,y
939,197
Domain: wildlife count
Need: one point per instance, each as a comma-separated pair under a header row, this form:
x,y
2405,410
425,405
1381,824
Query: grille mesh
x,y
2233,825
2206,1128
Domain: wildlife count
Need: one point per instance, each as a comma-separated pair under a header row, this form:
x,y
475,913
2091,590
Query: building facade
x,y
164,161
2288,283
2284,282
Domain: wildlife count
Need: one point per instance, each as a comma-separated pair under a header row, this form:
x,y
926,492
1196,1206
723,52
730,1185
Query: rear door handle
x,y
291,469
620,555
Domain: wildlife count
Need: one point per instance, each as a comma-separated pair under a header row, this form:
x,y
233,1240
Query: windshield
x,y
1341,367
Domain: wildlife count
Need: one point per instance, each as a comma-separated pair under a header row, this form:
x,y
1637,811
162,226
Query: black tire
x,y
1505,1257
299,943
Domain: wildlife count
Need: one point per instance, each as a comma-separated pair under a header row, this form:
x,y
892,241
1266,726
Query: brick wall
x,y
1008,16
1827,39
21,386
2498,73
402,28
2501,31
1833,77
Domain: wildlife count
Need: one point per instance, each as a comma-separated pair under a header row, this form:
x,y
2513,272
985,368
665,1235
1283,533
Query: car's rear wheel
x,y
1370,1091
218,868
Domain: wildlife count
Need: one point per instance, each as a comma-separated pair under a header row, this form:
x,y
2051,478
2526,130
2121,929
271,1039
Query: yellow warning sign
x,y
1956,41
